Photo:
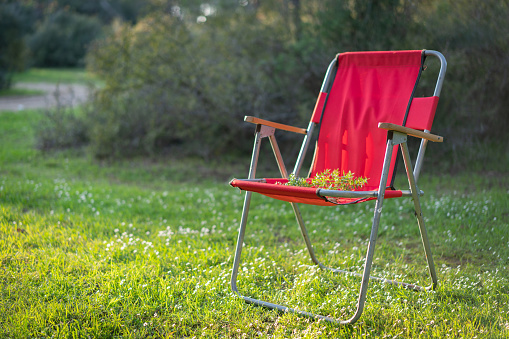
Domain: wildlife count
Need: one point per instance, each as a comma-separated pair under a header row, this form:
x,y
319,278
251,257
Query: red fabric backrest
x,y
422,113
369,87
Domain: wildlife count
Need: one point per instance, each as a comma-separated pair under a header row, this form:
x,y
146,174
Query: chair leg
x,y
374,232
259,135
305,235
418,214
240,242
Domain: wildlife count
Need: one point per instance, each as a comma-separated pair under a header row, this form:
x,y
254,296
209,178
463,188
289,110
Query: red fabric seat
x,y
276,189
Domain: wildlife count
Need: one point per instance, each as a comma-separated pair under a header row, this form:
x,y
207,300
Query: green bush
x,y
62,39
173,85
105,11
12,44
474,38
61,128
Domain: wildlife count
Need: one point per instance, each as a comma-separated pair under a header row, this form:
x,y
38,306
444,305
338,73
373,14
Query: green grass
x,y
56,75
139,249
18,92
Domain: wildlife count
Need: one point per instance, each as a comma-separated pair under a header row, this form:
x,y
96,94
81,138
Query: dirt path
x,y
67,94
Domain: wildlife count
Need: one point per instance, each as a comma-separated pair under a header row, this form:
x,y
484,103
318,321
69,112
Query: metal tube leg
x,y
279,157
295,207
418,214
305,235
420,158
245,211
240,242
374,233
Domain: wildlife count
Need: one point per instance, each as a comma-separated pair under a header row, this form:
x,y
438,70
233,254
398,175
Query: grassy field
x,y
48,75
18,92
141,249
60,75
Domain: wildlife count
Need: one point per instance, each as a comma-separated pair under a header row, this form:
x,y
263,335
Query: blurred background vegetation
x,y
180,75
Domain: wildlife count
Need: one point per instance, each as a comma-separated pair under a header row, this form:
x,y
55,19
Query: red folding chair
x,y
365,112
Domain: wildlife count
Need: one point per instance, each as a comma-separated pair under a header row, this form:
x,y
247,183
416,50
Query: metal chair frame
x,y
396,136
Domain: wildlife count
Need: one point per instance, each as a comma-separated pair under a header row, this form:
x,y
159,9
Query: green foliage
x,y
19,92
56,33
297,181
60,128
366,25
476,95
62,39
171,84
12,45
106,11
331,180
334,180
57,76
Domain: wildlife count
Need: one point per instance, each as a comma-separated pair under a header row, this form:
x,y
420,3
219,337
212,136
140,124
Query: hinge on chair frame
x,y
265,131
397,138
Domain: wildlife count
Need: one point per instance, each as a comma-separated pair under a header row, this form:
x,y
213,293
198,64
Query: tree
x,y
12,44
473,36
62,39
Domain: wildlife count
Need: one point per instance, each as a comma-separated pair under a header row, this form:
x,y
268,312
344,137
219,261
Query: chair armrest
x,y
259,121
410,131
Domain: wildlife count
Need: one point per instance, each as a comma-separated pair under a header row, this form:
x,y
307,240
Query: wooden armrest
x,y
259,121
410,131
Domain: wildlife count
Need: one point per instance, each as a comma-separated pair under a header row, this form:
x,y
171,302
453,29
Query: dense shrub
x,y
171,84
62,39
61,128
105,11
12,44
474,38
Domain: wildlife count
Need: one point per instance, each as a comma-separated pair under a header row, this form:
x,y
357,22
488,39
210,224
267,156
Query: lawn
x,y
19,92
141,248
54,75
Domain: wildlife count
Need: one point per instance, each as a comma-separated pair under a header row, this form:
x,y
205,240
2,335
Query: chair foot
x,y
285,309
352,320
384,280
